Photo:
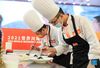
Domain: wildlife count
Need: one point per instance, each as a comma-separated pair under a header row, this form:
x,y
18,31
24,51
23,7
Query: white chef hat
x,y
34,20
47,8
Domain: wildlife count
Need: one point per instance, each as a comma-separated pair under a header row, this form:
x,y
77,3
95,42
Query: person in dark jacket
x,y
0,32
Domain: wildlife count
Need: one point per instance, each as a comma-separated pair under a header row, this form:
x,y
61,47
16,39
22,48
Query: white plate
x,y
32,58
24,57
44,59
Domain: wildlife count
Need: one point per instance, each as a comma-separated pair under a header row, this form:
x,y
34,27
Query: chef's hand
x,y
49,51
35,48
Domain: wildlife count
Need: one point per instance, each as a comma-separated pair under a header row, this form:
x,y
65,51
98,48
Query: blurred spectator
x,y
0,40
96,23
0,20
0,31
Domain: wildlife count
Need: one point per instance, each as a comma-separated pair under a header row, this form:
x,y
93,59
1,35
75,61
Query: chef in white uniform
x,y
50,34
77,32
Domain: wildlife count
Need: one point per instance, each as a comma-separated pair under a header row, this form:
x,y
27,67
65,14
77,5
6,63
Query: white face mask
x,y
58,25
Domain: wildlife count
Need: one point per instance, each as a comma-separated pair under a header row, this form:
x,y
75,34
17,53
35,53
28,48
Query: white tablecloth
x,y
11,61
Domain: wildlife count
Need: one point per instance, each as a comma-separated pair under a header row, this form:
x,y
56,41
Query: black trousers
x,y
63,60
98,64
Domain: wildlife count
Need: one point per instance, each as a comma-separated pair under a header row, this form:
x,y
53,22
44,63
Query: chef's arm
x,y
62,46
60,49
52,51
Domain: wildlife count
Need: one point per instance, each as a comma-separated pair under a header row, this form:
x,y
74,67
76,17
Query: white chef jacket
x,y
85,31
56,40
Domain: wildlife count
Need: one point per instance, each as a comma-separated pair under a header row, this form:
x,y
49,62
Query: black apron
x,y
63,60
80,49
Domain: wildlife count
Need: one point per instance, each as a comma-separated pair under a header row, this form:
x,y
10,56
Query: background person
x,y
96,23
0,31
0,39
77,32
2,65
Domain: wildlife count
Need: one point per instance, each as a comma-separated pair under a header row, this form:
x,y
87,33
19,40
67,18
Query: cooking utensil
x,y
32,47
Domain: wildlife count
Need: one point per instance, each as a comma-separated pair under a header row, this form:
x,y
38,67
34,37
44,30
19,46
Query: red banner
x,y
21,39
